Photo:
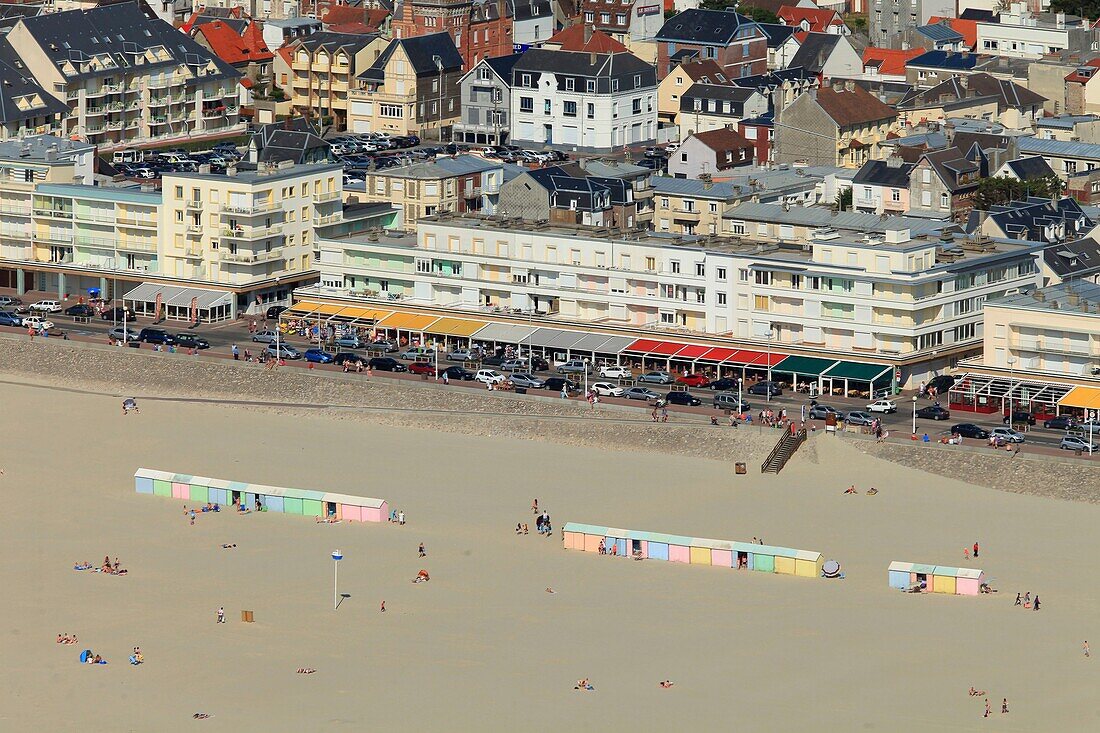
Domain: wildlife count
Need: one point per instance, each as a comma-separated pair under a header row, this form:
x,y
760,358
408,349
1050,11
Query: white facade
x,y
1020,35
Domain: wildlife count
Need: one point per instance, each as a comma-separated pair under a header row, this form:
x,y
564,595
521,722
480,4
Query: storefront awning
x,y
804,366
178,295
408,321
456,327
974,386
666,348
1086,397
505,333
601,343
718,355
859,372
643,346
691,352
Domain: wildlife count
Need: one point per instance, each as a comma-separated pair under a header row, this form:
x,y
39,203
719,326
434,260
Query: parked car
x,y
283,351
640,393
418,352
513,365
682,398
574,366
1060,422
46,306
765,388
883,406
934,412
729,401
10,319
37,322
275,311
818,412
1008,435
156,336
538,364
970,430
119,313
383,345
528,381
607,389
557,383
350,341
488,376
614,371
80,310
386,364
724,384
8,301
1019,417
457,372
118,333
319,356
859,418
693,380
191,341
655,378
265,337
1072,442
463,355
422,367
493,360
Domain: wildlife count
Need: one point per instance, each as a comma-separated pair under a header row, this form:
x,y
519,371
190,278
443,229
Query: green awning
x,y
803,366
859,372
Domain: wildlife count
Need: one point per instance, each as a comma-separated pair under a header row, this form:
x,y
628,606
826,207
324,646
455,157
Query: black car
x,y
764,388
457,372
933,412
682,398
275,310
80,310
191,341
970,430
494,360
1019,418
1061,422
538,364
156,336
723,385
349,356
941,383
386,364
117,314
556,383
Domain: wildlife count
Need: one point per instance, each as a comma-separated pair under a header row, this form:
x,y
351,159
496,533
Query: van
x,y
729,401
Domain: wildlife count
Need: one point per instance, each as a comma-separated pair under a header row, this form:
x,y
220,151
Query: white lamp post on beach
x,y
914,414
337,556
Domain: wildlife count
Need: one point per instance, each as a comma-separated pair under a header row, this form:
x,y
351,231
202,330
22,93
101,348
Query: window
x,y
389,110
547,106
526,104
636,106
926,198
614,85
964,332
743,275
683,157
651,264
930,340
700,269
760,303
1070,166
620,19
713,207
570,85
674,265
895,195
737,227
945,201
926,176
525,80
664,202
689,205
484,74
429,22
591,111
637,81
796,282
763,277
720,274
590,86
605,17
721,298
589,17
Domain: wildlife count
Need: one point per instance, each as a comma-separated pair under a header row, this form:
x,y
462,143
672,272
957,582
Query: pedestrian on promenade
x,y
1087,653
1004,705
236,353
383,608
422,553
221,615
401,518
987,709
1018,600
1036,606
975,549
664,413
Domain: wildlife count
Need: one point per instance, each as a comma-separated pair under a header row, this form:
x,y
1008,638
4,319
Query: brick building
x,y
735,42
479,28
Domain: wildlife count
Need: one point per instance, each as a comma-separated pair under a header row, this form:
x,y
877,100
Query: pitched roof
x,y
815,51
601,66
855,107
340,14
1029,219
1085,72
1074,259
883,173
974,86
777,33
721,190
891,61
1030,167
421,52
708,71
234,16
502,66
946,60
707,27
951,165
234,48
736,96
724,140
353,28
17,84
573,39
941,32
818,20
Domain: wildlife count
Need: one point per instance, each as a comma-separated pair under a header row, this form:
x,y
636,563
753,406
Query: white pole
x,y
914,414
336,558
768,386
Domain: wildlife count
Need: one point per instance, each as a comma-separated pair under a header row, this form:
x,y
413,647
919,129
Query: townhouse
x,y
706,107
325,70
977,95
942,184
716,154
782,44
679,81
485,98
478,29
736,43
882,186
245,50
127,79
626,21
583,101
838,125
828,55
412,88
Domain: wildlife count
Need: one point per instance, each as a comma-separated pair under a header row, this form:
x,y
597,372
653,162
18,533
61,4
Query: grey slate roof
x,y
1031,167
15,82
420,50
881,173
1064,122
331,41
707,27
940,33
502,66
1029,219
1074,259
443,168
602,66
819,217
777,33
736,96
720,190
119,30
1059,147
815,51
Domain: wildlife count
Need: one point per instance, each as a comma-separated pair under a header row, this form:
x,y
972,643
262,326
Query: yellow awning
x,y
408,321
1086,397
356,313
456,327
303,308
328,309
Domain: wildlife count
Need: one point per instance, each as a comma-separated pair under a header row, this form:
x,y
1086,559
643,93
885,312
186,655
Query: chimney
x,y
849,85
231,170
838,85
1074,299
894,161
1039,296
964,81
587,33
949,132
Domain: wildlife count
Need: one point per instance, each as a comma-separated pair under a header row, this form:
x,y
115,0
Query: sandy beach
x,y
483,646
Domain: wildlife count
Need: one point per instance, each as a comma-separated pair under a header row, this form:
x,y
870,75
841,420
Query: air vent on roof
x,y
78,57
148,34
130,47
193,59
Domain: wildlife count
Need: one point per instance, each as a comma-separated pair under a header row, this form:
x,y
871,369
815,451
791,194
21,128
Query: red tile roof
x,y
1084,78
819,19
726,140
234,49
234,12
357,27
708,70
572,39
968,28
890,61
855,107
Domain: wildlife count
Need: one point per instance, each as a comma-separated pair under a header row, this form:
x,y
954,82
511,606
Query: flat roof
x,y
261,177
1079,298
101,193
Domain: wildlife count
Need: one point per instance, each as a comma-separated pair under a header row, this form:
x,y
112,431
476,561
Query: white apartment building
x,y
582,101
889,297
1021,33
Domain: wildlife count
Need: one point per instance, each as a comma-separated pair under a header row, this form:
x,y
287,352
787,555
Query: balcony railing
x,y
250,257
252,233
54,213
195,228
256,208
54,236
319,220
321,197
95,111
158,101
194,205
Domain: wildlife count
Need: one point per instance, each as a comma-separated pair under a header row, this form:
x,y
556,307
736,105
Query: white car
x,y
46,306
37,323
488,376
614,371
607,389
883,406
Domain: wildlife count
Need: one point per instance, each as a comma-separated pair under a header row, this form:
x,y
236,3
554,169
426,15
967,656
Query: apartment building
x,y
943,184
127,79
623,20
838,125
479,29
890,20
890,297
325,68
412,88
463,184
708,107
1066,158
245,50
682,78
486,95
1020,32
690,207
592,102
25,107
735,42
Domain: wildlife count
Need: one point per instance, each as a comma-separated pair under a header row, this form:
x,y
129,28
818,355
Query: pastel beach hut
x,y
936,578
969,582
899,575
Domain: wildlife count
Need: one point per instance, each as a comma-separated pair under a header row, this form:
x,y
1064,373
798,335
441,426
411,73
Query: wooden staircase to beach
x,y
783,451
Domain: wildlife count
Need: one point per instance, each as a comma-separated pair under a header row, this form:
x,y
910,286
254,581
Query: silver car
x,y
656,378
284,351
1071,442
513,365
640,393
265,337
859,418
123,334
530,381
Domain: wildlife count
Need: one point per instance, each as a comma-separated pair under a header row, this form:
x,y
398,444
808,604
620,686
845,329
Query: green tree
x,y
1000,191
843,200
760,15
1083,8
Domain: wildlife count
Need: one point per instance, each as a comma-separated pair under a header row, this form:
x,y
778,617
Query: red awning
x,y
718,355
666,348
643,346
692,351
765,359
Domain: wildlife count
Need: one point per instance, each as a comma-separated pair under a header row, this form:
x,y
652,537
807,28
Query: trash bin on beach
x,y
521,390
739,468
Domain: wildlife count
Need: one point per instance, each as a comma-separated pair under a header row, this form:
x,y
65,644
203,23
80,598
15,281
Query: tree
x,y
760,15
1000,191
1083,8
843,200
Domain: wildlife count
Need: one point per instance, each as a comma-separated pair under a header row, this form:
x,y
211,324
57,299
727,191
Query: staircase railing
x,y
784,448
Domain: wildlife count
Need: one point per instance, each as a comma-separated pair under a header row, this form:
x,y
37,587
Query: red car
x,y
693,380
422,367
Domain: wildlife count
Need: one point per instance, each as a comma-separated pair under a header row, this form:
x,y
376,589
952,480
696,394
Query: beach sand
x,y
483,646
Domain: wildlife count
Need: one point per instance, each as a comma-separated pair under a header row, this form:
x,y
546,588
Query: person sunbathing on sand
x,y
851,490
201,716
549,589
228,547
666,684
583,685
306,670
977,693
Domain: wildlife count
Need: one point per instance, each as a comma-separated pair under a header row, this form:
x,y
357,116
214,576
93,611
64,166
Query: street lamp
x,y
337,556
1011,385
914,414
768,387
438,61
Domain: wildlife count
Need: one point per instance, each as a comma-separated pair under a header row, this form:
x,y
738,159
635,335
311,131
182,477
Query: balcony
x,y
211,113
251,257
321,220
95,111
97,242
251,234
324,197
14,210
158,101
112,88
158,84
54,237
54,213
194,205
136,246
257,208
72,96
137,221
471,192
490,188
195,230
